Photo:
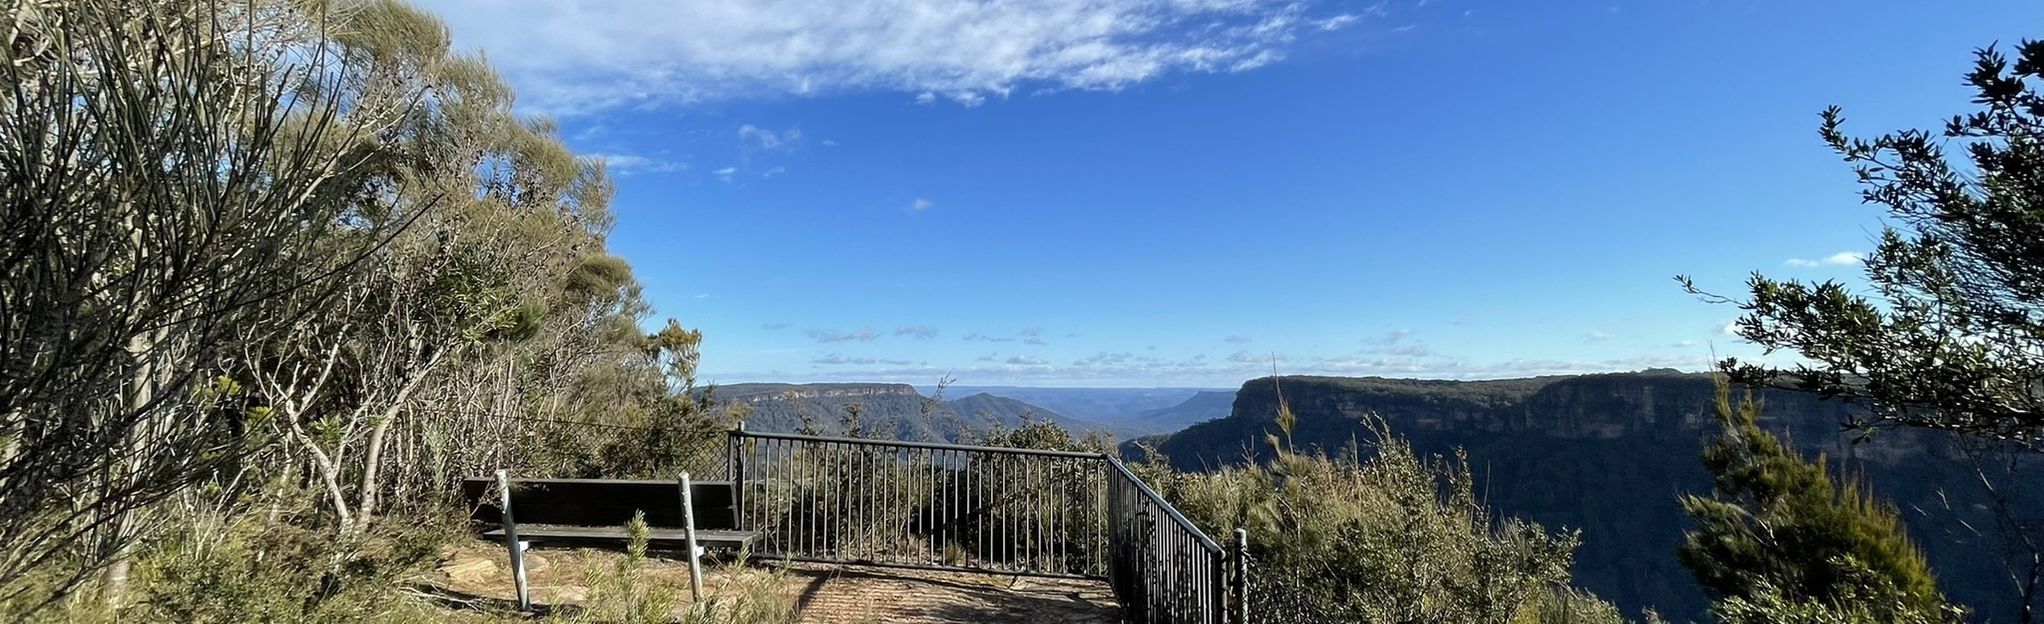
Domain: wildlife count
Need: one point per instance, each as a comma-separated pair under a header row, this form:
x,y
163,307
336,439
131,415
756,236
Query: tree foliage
x,y
257,251
1388,537
1951,335
1778,540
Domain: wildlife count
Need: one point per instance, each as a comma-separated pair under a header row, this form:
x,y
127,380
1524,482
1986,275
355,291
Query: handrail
x,y
1158,500
922,445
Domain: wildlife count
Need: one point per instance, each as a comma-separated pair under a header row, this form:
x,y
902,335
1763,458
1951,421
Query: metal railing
x,y
1163,568
923,505
976,508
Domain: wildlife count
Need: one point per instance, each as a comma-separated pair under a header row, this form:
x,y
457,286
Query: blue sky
x,y
1173,192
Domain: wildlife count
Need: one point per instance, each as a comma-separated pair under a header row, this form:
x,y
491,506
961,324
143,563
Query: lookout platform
x,y
820,593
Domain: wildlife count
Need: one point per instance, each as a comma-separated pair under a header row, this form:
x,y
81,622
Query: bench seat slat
x,y
711,539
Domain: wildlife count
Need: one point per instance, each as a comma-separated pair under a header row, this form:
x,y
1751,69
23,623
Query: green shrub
x,y
253,567
1777,539
621,593
1392,537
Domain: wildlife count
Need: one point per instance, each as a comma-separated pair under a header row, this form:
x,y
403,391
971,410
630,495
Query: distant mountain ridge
x,y
892,410
1201,407
1608,454
1125,411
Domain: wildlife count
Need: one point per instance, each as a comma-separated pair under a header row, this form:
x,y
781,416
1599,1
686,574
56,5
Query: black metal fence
x,y
925,505
948,506
1163,568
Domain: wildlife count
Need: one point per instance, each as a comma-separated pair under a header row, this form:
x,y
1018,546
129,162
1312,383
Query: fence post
x,y
1241,584
511,541
736,449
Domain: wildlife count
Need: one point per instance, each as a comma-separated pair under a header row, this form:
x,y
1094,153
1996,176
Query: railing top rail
x,y
1204,541
921,445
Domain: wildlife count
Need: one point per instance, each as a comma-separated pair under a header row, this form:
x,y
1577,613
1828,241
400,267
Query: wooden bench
x,y
596,510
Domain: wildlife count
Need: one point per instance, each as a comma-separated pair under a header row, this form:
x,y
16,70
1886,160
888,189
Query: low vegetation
x,y
1378,533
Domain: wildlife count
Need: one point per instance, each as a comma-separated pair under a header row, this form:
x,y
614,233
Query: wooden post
x,y
511,542
1241,576
688,516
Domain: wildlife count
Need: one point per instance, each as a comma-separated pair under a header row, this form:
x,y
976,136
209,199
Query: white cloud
x,y
756,138
1398,342
1598,335
1109,359
581,57
1032,336
629,164
1730,328
919,332
831,335
1389,338
921,204
1843,258
1337,22
835,359
726,173
1023,360
1237,340
1684,344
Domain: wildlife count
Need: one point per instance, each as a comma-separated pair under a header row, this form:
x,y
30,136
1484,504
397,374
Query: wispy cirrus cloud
x,y
1032,336
864,334
581,57
835,359
1245,357
633,164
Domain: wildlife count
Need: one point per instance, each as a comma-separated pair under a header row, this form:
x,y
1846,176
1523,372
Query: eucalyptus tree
x,y
174,177
497,312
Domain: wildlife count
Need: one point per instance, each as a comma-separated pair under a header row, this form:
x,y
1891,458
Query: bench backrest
x,y
603,502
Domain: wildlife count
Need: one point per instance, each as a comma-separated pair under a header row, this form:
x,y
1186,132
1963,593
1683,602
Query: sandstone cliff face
x,y
1665,406
1608,454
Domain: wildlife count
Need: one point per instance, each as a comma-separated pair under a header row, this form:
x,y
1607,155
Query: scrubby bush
x,y
1778,540
270,565
1382,534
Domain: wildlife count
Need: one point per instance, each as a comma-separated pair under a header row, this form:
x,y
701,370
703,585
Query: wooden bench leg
x,y
511,543
688,516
